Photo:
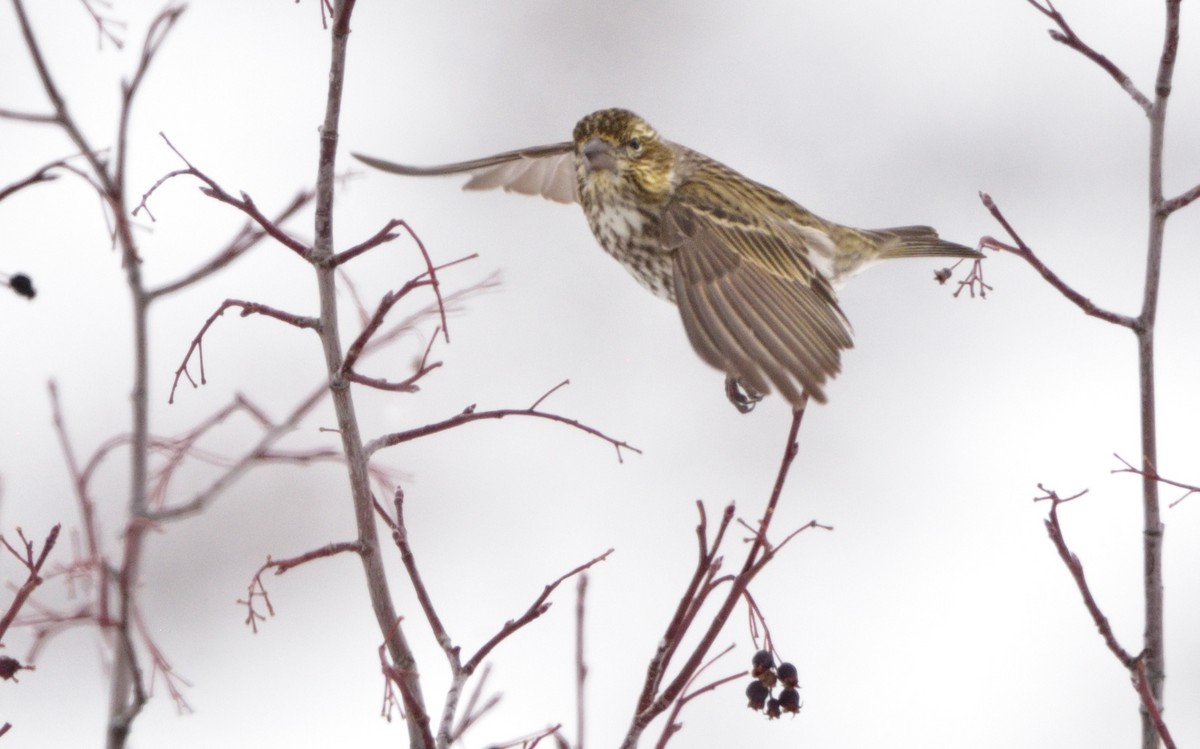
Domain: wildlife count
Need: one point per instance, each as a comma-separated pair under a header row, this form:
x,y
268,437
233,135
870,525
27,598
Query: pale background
x,y
937,614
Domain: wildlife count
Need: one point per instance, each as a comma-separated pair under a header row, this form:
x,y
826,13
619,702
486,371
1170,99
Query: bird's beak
x,y
599,156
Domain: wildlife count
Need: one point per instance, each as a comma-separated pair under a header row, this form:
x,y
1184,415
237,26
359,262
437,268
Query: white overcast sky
x,y
936,614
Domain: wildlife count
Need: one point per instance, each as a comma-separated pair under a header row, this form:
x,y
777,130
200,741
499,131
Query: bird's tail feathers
x,y
919,241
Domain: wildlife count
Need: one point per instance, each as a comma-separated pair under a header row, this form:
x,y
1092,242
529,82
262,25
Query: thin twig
x,y
212,189
1075,567
1067,36
470,415
539,606
1024,252
248,308
245,240
1152,473
34,567
256,590
653,700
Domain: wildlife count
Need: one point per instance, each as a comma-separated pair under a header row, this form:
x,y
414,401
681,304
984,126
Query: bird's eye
x,y
635,145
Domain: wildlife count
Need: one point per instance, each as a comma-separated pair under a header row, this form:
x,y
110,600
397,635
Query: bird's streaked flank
x,y
752,272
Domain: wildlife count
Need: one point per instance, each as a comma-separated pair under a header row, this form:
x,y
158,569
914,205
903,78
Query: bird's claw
x,y
743,398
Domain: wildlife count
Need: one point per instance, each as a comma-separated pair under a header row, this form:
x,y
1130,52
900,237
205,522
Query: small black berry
x,y
789,701
787,675
22,284
757,693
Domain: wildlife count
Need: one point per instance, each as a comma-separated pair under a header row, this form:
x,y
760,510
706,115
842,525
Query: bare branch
x,y
1075,567
245,240
42,119
104,24
581,669
256,590
1142,686
244,204
1024,252
385,235
673,725
530,741
707,564
1067,36
261,452
1180,201
389,300
653,700
536,609
470,415
41,175
1189,489
473,711
34,567
400,537
248,308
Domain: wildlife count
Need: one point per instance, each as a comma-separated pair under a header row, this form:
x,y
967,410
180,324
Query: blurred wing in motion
x,y
548,171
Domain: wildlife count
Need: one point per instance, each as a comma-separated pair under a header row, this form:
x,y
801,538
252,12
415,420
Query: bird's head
x,y
617,150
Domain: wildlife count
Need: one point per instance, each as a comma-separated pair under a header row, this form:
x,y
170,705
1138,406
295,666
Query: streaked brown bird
x,y
752,272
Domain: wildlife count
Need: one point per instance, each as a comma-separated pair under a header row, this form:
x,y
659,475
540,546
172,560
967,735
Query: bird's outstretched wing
x,y
752,304
548,171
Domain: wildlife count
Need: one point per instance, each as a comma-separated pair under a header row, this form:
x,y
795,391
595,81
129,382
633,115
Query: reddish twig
x,y
160,665
1189,489
472,712
1181,200
469,415
212,189
673,725
758,621
1142,686
95,563
407,385
1067,36
460,670
1024,252
400,538
41,175
1075,567
532,740
414,711
248,308
973,281
655,698
33,565
707,565
256,590
539,606
246,239
385,235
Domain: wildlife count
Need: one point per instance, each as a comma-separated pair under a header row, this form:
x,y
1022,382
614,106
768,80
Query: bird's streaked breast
x,y
630,234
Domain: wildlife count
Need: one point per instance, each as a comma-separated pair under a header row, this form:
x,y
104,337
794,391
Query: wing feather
x,y
548,171
751,303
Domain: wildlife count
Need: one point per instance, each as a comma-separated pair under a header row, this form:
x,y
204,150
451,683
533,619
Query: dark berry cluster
x,y
766,677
